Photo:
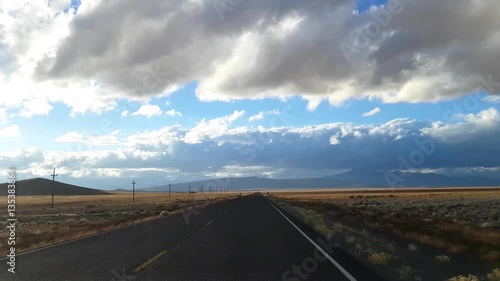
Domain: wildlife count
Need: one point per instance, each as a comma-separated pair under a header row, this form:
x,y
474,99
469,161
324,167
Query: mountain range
x,y
353,178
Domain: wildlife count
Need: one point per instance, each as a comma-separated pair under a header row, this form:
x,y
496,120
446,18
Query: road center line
x,y
334,262
208,222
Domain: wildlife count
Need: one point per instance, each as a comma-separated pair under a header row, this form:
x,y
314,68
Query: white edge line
x,y
334,262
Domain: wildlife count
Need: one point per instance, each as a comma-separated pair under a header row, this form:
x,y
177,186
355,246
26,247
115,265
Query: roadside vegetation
x,y
400,234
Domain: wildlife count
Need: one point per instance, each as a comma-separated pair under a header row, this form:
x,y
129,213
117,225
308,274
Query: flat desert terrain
x,y
409,234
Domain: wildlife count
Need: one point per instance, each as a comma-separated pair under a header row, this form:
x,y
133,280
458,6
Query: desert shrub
x,y
172,206
391,247
464,278
338,227
405,271
413,247
494,275
351,239
323,229
442,259
379,258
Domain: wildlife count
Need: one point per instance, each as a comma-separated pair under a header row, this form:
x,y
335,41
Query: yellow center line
x,y
150,262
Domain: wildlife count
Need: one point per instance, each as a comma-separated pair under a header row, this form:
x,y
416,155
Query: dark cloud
x,y
468,146
425,51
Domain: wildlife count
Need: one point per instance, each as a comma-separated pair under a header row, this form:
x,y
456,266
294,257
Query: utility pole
x,y
133,191
54,175
189,191
201,189
169,185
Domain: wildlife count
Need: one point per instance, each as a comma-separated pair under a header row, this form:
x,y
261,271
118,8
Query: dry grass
x,y
494,275
455,220
74,217
470,277
113,199
379,258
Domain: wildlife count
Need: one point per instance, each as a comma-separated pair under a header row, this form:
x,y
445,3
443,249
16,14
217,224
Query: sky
x,y
108,91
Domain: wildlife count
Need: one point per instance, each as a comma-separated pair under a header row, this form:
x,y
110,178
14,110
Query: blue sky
x,y
212,93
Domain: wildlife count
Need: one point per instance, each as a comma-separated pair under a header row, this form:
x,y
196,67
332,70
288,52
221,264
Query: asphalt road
x,y
247,238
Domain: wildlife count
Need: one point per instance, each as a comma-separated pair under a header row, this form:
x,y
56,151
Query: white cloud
x,y
162,139
148,110
482,124
50,57
212,128
334,140
35,106
71,137
173,112
220,147
262,114
12,131
492,99
264,50
97,139
372,112
3,115
22,158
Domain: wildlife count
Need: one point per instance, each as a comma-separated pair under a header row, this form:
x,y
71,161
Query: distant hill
x,y
122,190
353,178
41,186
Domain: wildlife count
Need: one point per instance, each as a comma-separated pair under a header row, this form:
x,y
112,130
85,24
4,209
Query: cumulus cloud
x,y
3,115
262,114
148,110
217,147
485,123
372,112
173,112
213,128
22,158
12,131
260,49
95,140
